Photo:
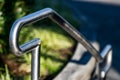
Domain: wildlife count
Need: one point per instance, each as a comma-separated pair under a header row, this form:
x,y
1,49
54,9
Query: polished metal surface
x,y
44,13
35,71
106,64
34,45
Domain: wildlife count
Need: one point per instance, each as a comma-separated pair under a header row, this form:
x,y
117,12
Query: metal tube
x,y
107,56
35,74
48,12
76,35
27,47
33,45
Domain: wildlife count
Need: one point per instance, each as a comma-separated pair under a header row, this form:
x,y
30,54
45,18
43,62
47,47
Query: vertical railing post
x,y
105,65
35,68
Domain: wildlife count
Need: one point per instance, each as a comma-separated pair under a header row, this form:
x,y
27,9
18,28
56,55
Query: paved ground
x,y
77,69
100,22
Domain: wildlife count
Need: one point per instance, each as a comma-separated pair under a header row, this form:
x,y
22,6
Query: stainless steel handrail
x,y
48,12
34,45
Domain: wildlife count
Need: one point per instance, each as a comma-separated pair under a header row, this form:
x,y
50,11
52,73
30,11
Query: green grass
x,y
55,49
6,75
53,42
56,44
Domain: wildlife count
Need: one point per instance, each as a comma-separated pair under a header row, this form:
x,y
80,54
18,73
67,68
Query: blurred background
x,y
97,20
57,46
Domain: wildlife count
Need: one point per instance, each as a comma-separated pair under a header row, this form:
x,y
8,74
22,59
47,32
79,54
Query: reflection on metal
x,y
34,45
106,64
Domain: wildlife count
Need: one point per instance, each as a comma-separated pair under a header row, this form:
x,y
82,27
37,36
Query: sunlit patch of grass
x,y
51,38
